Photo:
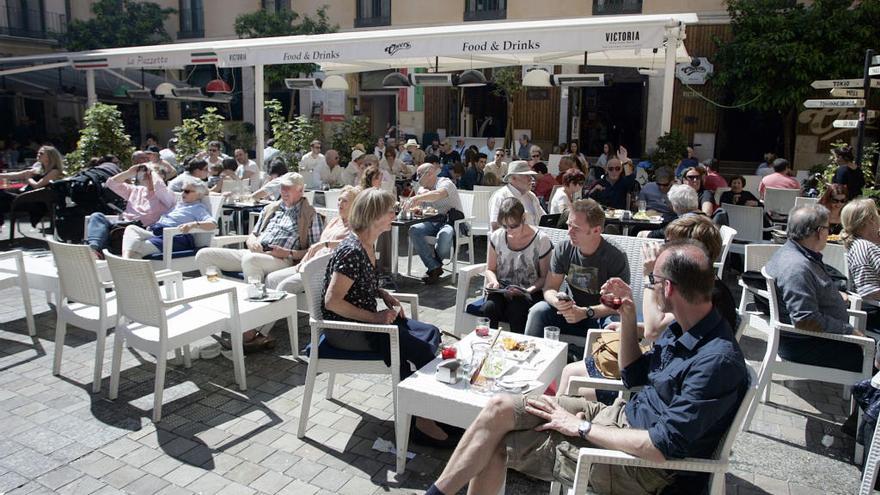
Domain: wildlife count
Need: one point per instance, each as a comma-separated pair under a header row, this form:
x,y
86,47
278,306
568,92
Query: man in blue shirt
x,y
694,379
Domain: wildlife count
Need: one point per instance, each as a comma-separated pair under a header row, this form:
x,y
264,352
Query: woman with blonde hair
x,y
351,289
861,236
48,167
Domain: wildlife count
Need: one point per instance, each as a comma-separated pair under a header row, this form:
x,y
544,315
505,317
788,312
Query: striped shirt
x,y
451,200
863,258
283,230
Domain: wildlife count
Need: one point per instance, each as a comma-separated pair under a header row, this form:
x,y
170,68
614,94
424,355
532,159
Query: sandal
x,y
259,343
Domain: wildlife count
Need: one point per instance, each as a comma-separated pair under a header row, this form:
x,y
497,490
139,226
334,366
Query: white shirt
x,y
398,168
388,182
559,202
250,166
450,201
351,175
497,168
486,151
307,165
268,154
325,175
169,156
533,208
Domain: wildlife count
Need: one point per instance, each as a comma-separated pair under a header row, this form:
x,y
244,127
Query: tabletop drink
x,y
492,369
482,328
212,273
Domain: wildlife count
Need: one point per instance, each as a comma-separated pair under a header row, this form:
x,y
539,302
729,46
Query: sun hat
x,y
412,142
519,167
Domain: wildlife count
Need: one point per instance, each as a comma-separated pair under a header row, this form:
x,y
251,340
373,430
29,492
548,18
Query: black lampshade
x,y
395,80
471,79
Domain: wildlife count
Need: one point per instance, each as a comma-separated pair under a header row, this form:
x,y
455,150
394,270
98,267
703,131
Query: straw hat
x,y
519,167
412,142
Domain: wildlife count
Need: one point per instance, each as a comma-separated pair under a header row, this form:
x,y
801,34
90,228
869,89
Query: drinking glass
x,y
551,333
482,328
643,205
212,273
255,287
492,369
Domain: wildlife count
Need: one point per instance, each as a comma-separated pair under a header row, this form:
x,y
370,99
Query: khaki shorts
x,y
551,456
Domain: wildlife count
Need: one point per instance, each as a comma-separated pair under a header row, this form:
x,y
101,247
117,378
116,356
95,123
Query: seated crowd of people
x,y
689,363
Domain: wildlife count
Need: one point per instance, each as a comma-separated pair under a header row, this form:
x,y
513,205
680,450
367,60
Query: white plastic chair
x,y
331,199
803,200
756,256
83,301
780,201
481,226
460,239
834,255
337,360
727,235
153,325
491,189
718,192
872,464
753,182
716,466
828,375
202,238
749,224
19,278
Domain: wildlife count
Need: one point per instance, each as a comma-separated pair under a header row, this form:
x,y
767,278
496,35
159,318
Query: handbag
x,y
605,352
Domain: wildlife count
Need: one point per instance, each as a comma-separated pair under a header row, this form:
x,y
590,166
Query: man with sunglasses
x,y
808,297
694,379
311,161
654,194
440,193
497,166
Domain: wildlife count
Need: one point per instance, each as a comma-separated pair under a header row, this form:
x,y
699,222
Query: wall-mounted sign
x,y
694,72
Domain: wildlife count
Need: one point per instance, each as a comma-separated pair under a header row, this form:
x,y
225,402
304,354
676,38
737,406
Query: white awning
x,y
626,41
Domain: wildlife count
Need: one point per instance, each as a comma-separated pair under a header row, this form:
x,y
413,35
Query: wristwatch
x,y
591,313
584,429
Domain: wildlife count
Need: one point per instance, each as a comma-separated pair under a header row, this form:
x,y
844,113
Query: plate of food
x,y
833,237
641,215
518,350
612,213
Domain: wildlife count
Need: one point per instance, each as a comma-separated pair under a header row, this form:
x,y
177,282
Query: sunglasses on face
x,y
692,177
653,280
213,150
838,201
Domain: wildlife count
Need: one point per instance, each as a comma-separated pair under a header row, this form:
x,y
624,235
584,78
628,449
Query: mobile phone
x,y
141,175
562,296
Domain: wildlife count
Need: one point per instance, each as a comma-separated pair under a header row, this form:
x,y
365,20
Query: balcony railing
x,y
27,23
371,13
192,23
485,10
617,7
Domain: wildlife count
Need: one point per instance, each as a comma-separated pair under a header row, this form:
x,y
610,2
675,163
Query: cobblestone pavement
x,y
57,437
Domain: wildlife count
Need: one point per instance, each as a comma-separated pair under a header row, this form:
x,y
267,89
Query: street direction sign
x,y
843,83
874,71
846,103
845,124
848,93
875,60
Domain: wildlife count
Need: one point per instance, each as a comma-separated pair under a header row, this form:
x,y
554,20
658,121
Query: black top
x,y
740,199
853,178
614,195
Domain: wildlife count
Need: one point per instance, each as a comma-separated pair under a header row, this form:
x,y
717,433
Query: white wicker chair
x,y
19,278
482,224
803,200
83,301
727,235
339,361
717,466
872,464
749,224
467,202
153,325
331,198
828,375
780,201
756,256
202,238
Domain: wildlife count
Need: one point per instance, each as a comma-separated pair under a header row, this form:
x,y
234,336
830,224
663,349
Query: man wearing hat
x,y
310,161
418,156
160,166
169,154
351,175
519,185
440,193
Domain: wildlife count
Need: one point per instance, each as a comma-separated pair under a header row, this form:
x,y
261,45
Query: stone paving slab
x,y
58,437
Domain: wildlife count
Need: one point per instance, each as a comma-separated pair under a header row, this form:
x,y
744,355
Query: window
x,y
485,10
29,19
616,7
276,5
373,13
192,19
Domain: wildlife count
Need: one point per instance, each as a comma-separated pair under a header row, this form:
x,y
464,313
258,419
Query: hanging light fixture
x,y
335,83
471,79
537,78
396,80
164,89
218,86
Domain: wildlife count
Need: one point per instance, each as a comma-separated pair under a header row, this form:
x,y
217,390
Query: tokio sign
x,y
845,103
843,83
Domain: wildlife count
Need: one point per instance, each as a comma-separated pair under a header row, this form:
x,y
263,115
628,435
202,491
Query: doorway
x,y
614,114
381,109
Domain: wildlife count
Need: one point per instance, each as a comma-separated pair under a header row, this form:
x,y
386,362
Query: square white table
x,y
42,274
252,314
423,396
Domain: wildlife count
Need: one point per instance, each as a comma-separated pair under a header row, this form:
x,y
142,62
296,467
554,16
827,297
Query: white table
x,y
42,274
252,314
423,396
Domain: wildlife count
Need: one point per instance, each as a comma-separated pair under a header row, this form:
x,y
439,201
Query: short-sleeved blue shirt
x,y
693,384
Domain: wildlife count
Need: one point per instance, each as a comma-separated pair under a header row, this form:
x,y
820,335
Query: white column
x,y
247,94
259,113
672,41
92,96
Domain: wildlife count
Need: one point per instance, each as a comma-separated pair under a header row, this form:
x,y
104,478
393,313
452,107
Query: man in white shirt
x,y
440,193
329,172
351,175
498,166
169,154
460,147
309,162
247,168
489,147
519,185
